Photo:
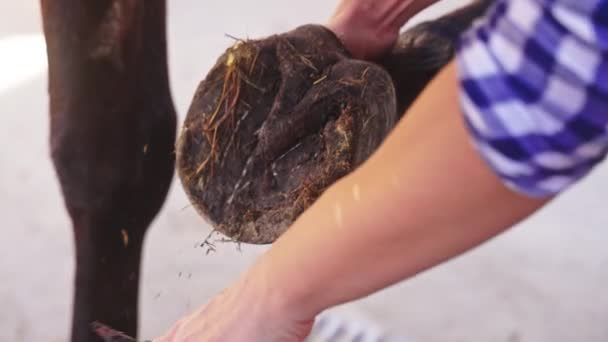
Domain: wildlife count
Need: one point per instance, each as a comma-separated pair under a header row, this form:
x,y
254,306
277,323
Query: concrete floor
x,y
543,281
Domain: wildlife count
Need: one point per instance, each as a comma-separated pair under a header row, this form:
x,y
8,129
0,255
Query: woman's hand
x,y
370,28
247,311
361,33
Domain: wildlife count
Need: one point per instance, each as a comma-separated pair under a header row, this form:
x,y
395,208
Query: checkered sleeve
x,y
534,91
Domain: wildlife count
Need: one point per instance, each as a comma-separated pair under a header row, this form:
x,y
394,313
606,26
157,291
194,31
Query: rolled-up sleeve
x,y
534,91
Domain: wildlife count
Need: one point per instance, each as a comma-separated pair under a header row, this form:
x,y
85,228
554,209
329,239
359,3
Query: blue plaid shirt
x,y
534,79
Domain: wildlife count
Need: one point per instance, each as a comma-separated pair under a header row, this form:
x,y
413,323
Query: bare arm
x,y
424,197
370,27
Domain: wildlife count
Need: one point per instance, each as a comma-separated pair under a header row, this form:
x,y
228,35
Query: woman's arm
x,y
368,28
423,198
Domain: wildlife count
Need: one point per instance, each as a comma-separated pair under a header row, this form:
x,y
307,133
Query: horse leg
x,y
112,136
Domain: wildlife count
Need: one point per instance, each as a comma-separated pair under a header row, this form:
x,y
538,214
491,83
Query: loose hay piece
x,y
276,122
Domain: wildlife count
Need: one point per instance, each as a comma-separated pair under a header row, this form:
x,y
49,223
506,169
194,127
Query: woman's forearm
x,y
423,198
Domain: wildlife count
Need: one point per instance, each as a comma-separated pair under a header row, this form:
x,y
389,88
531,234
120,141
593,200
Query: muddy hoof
x,y
275,122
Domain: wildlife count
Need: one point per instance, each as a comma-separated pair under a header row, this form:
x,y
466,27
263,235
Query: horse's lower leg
x,y
112,135
107,278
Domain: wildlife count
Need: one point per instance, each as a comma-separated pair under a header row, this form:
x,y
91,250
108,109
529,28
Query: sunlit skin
x,y
424,197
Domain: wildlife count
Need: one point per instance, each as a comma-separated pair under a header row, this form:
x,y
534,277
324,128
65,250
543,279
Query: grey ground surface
x,y
543,281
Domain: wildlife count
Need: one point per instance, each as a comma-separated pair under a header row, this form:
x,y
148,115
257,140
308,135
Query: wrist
x,y
278,298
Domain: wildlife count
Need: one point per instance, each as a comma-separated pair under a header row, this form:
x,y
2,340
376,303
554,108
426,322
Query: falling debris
x,y
125,238
357,192
338,215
